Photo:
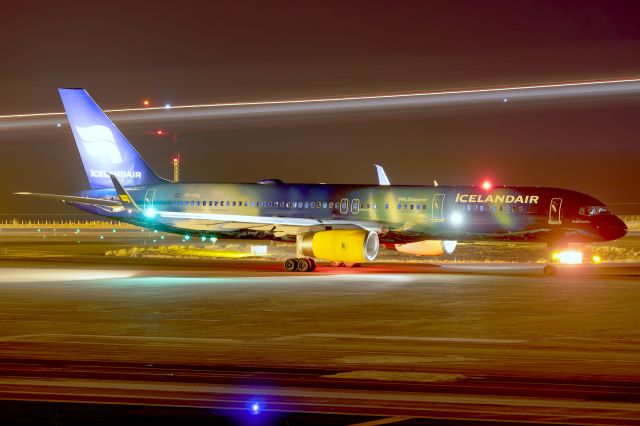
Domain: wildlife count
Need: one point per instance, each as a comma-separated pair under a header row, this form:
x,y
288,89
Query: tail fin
x,y
103,149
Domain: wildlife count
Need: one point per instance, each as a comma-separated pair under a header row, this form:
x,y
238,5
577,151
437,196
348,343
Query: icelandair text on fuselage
x,y
497,199
117,173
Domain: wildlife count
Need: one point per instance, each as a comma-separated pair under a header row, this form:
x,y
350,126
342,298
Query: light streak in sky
x,y
345,104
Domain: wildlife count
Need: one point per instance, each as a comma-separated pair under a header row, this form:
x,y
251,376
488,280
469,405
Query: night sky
x,y
206,52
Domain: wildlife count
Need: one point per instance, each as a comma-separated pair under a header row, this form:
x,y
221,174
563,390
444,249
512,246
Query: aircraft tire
x,y
336,263
304,265
550,270
313,264
290,265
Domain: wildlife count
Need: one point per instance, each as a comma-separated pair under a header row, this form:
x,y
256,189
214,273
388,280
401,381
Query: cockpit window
x,y
594,210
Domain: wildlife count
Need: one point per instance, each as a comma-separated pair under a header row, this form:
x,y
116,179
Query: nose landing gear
x,y
550,270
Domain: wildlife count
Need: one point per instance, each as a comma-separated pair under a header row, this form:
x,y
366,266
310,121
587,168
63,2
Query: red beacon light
x,y
160,132
146,102
486,185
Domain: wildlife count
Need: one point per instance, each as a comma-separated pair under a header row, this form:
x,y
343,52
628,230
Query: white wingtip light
x,y
382,176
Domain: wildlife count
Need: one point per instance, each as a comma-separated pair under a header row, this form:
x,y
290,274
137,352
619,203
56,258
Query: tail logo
x,y
99,142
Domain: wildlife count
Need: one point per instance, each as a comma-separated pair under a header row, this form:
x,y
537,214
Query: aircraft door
x,y
437,208
344,206
148,198
555,209
355,206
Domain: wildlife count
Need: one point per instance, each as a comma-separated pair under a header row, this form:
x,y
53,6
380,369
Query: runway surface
x,y
383,344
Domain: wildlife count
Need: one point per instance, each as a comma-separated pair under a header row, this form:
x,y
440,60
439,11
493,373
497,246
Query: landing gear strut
x,y
550,269
303,264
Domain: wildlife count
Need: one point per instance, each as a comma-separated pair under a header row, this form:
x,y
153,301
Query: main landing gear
x,y
337,263
303,264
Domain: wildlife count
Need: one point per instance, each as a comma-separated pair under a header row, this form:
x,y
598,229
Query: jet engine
x,y
426,247
349,246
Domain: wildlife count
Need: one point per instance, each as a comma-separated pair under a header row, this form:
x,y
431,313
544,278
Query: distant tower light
x,y
176,168
146,102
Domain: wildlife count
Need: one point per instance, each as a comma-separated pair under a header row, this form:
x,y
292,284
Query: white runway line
x,y
24,275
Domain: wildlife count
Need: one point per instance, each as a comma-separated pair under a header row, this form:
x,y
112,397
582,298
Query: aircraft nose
x,y
613,229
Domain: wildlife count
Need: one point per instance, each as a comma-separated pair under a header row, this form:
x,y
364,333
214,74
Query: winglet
x,y
382,176
124,196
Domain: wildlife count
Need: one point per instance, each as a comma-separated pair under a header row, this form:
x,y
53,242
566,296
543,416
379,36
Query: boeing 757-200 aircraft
x,y
342,224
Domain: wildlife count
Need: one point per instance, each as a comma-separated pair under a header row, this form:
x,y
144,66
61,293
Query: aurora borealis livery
x,y
344,224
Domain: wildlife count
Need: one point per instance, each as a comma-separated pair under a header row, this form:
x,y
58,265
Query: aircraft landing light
x,y
456,218
568,257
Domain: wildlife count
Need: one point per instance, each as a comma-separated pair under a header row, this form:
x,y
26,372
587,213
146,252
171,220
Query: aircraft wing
x,y
246,221
73,199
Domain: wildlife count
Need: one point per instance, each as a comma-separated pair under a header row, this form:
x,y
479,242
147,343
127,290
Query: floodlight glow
x,y
150,212
255,408
596,259
456,218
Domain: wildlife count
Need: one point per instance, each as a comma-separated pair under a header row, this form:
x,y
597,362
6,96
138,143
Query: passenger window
x,y
324,205
193,203
374,205
411,207
386,206
313,205
399,206
306,204
481,208
331,204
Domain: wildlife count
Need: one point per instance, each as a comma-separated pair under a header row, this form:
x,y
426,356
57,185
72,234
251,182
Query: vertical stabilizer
x,y
103,149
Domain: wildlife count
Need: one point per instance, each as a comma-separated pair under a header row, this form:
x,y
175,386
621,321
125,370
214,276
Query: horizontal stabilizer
x,y
73,199
124,196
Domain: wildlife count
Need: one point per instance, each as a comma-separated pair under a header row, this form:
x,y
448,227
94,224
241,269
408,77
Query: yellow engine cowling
x,y
350,246
427,247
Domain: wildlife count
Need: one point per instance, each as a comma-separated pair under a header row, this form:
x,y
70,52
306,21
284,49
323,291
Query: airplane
x,y
343,224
